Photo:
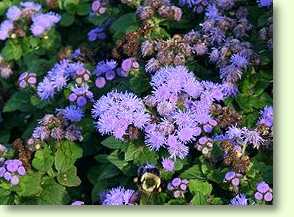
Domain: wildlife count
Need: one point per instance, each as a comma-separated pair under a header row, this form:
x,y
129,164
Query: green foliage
x,y
12,50
30,185
19,101
61,171
66,155
192,173
126,23
53,193
43,160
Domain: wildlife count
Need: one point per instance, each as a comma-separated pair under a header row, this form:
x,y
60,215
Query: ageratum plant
x,y
136,102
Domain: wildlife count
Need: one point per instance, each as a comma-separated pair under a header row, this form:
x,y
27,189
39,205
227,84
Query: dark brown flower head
x,y
225,116
234,158
24,154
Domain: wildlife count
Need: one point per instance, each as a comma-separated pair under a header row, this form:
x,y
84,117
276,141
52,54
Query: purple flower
x,y
264,3
78,203
100,82
27,79
197,5
117,196
5,28
116,111
168,165
239,200
128,64
40,133
176,148
154,139
30,6
13,13
233,132
262,187
96,5
11,170
252,137
105,66
230,175
212,12
43,23
81,95
97,33
266,116
178,187
239,60
230,73
46,89
72,113
263,192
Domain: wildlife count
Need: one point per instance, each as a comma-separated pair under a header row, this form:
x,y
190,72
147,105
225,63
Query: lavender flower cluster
x,y
178,187
5,69
117,197
28,12
27,79
57,127
107,70
233,178
263,192
116,111
59,76
11,170
99,7
162,8
183,107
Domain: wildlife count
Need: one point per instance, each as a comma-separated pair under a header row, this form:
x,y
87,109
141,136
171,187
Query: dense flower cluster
x,y
11,170
99,7
263,192
59,76
162,8
183,103
57,127
27,79
136,102
178,187
117,111
5,69
239,200
40,22
117,196
233,178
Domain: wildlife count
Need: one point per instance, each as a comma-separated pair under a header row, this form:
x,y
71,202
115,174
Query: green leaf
x,y
200,186
131,152
139,83
193,172
66,155
30,185
199,199
43,159
69,177
125,23
113,143
12,51
6,197
176,202
18,101
140,154
115,160
83,9
53,193
67,19
145,155
102,172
